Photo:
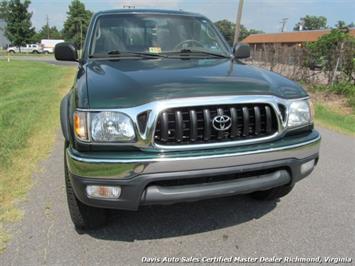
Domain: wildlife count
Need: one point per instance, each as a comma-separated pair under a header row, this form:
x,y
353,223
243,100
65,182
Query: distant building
x,y
4,42
294,38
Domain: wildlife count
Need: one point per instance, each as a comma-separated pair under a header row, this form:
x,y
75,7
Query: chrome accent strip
x,y
162,159
145,140
128,168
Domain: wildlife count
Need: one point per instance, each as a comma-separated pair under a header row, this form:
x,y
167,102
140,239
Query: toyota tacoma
x,y
163,110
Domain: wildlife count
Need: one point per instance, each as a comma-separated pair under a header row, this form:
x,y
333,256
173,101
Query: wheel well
x,y
64,117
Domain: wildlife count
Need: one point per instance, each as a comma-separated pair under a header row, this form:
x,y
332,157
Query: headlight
x,y
299,113
111,127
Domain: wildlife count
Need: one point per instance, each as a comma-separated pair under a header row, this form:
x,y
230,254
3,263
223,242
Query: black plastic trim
x,y
64,117
246,121
161,194
257,120
234,117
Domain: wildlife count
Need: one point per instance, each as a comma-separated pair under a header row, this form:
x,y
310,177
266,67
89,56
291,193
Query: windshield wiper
x,y
188,52
117,54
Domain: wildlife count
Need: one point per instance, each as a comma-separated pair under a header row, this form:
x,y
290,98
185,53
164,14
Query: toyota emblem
x,y
221,122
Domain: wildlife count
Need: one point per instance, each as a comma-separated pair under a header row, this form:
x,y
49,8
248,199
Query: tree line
x,y
19,29
318,23
227,28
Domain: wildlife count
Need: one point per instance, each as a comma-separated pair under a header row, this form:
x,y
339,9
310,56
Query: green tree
x,y
19,28
311,23
341,24
77,22
47,32
3,9
227,28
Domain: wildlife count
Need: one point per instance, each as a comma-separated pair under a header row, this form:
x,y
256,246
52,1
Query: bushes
x,y
336,52
342,88
330,60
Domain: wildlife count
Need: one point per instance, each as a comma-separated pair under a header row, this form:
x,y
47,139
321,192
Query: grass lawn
x,y
328,117
335,106
29,119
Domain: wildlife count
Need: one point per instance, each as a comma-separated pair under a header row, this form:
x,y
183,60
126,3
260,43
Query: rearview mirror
x,y
241,50
65,52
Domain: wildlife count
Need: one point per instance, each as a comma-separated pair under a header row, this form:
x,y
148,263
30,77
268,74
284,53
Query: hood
x,y
128,83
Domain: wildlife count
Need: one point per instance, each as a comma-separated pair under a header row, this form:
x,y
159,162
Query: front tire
x,y
272,194
83,216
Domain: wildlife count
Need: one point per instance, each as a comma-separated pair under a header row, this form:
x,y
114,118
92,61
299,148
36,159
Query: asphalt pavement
x,y
40,58
316,219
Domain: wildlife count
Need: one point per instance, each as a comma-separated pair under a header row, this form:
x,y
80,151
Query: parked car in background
x,y
48,45
29,48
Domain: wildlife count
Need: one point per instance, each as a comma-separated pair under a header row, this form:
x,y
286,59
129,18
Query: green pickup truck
x,y
162,111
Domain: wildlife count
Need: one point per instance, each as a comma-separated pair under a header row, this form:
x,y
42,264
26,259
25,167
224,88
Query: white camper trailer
x,y
48,45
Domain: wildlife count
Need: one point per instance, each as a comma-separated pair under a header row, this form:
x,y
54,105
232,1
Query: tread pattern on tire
x,y
83,216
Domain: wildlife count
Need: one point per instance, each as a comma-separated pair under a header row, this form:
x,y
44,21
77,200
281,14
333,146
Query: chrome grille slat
x,y
179,130
207,124
193,125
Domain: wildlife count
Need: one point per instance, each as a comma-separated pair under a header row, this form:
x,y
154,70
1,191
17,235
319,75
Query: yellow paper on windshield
x,y
155,50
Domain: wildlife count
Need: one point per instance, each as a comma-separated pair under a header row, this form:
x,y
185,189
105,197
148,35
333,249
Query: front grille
x,y
194,125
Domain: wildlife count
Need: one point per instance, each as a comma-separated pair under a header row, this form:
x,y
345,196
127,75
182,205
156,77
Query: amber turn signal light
x,y
80,126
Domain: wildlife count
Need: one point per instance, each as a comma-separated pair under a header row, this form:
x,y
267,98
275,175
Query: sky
x,y
264,15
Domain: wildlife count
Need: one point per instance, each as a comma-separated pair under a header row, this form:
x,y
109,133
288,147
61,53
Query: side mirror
x,y
65,52
241,50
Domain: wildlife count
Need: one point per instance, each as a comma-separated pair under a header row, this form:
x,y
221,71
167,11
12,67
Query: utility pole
x,y
80,21
237,24
283,22
81,37
47,27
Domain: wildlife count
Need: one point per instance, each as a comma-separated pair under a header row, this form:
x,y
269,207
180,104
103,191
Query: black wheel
x,y
272,194
35,52
11,51
83,216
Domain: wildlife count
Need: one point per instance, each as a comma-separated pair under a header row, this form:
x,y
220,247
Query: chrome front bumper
x,y
120,166
142,176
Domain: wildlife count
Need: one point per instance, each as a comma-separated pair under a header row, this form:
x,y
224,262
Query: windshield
x,y
153,33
